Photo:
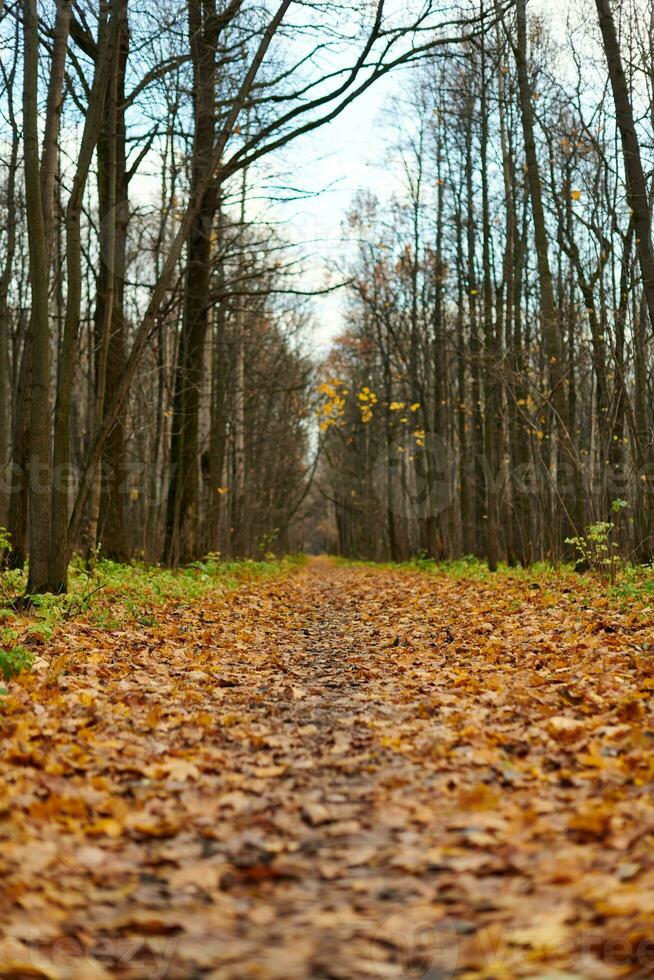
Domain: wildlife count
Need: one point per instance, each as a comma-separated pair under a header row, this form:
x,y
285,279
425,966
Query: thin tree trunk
x,y
39,471
491,400
636,184
551,332
60,545
5,280
107,511
477,441
106,299
182,511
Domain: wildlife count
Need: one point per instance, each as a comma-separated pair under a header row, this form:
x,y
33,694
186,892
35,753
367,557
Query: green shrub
x,y
596,547
15,661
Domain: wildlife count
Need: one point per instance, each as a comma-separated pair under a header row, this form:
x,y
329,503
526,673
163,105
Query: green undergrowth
x,y
466,567
136,591
116,596
633,583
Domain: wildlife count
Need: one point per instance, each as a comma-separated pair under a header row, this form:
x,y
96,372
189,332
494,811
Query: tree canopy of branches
x,y
152,368
491,394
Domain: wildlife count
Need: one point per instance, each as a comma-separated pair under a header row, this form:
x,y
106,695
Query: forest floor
x,y
340,772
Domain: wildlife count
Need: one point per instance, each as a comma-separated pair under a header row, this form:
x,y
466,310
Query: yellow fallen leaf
x,y
479,797
177,769
564,729
107,826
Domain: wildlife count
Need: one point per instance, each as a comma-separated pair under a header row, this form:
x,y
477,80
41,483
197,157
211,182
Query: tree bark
x,y
5,281
60,546
551,330
492,405
39,461
107,511
636,184
182,511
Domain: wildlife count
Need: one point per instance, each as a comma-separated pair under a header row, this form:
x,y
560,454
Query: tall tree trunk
x,y
553,347
238,531
5,280
182,509
492,405
465,502
636,185
506,306
219,385
477,441
107,512
39,462
439,468
104,322
21,428
60,545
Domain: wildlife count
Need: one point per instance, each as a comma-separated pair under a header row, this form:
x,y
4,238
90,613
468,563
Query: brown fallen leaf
x,y
498,783
565,729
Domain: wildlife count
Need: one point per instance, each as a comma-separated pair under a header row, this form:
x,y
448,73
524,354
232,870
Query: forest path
x,y
348,772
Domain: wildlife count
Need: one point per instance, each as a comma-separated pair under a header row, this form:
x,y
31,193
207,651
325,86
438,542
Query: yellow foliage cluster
x,y
332,408
367,400
331,411
399,406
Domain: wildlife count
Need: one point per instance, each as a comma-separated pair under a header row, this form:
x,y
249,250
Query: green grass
x,y
116,596
634,583
133,593
466,567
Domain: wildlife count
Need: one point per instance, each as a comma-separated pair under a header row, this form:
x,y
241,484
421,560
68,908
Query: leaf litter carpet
x,y
347,772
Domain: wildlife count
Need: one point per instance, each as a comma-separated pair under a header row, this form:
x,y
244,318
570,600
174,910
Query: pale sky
x,y
347,155
336,161
344,157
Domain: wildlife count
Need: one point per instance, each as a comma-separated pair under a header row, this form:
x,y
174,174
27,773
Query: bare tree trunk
x,y
20,440
492,405
106,297
182,511
636,184
550,326
239,546
60,547
49,157
238,526
5,280
39,471
465,502
477,442
506,304
107,509
217,434
18,504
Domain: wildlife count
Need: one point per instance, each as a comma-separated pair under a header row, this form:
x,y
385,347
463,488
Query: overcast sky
x,y
340,158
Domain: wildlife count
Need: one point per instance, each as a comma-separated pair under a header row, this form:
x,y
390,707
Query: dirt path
x,y
345,773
